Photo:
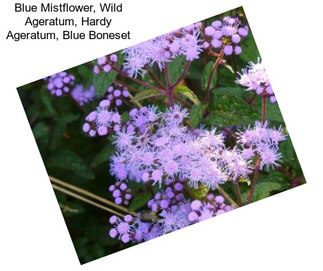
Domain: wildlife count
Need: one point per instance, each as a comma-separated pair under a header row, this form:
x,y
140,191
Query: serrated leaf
x,y
206,74
229,108
186,92
86,75
47,102
139,201
268,185
102,81
175,68
69,160
249,49
196,114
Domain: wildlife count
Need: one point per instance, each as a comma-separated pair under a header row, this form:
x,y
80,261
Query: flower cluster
x,y
173,194
121,193
204,210
226,34
254,77
155,146
169,219
262,141
123,229
60,83
161,50
102,120
116,94
83,96
104,64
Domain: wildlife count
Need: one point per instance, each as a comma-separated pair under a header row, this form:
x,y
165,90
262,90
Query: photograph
x,y
162,135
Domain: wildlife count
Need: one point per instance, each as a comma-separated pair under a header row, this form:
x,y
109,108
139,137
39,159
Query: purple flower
x,y
254,77
60,83
83,96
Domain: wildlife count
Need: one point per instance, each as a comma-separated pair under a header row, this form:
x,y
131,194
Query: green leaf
x,y
249,49
273,112
176,68
103,156
196,114
268,185
86,74
139,201
187,93
145,94
229,108
47,101
67,118
226,77
69,160
206,74
41,129
102,81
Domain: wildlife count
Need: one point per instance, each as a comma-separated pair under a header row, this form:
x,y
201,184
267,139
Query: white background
x,y
283,232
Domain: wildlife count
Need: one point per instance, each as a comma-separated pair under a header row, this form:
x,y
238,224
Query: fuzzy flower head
x,y
123,229
83,96
60,83
254,77
102,120
214,206
157,146
185,41
262,141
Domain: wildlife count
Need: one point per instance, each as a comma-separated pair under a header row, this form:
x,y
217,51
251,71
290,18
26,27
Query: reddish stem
x,y
208,85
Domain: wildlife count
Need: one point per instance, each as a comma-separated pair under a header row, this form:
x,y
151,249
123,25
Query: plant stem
x,y
154,77
74,195
257,165
254,181
187,66
227,197
91,195
134,100
170,91
138,81
238,193
263,114
208,85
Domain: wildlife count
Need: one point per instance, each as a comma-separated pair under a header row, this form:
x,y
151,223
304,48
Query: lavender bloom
x,y
161,50
102,121
254,77
172,195
175,218
104,64
117,94
262,141
60,83
214,206
155,147
227,34
124,229
83,96
121,193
